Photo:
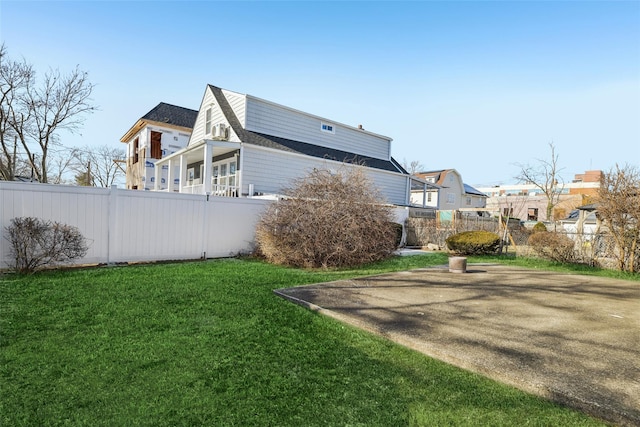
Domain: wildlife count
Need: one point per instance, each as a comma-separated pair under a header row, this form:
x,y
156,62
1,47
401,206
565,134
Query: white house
x,y
242,146
446,191
162,131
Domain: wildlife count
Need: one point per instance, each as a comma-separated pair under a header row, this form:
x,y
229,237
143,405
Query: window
x,y
532,214
136,143
225,177
207,122
429,197
156,145
468,201
215,174
451,198
325,127
232,174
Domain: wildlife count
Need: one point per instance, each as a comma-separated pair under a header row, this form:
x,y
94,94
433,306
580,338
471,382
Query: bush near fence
x,y
595,249
434,231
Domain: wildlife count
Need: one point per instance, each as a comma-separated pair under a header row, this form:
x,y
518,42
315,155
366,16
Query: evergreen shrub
x,y
474,242
539,227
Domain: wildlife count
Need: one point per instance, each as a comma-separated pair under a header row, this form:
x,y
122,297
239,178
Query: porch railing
x,y
219,190
225,190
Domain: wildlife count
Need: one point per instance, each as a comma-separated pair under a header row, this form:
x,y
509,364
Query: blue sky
x,y
475,86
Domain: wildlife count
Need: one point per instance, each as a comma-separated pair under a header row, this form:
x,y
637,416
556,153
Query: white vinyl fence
x,y
128,226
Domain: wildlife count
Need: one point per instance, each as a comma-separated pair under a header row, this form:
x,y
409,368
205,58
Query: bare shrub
x,y
619,208
553,246
328,219
37,243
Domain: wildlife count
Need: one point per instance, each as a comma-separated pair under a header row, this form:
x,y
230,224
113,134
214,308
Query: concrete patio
x,y
572,339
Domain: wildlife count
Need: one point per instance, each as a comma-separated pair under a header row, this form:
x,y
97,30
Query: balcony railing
x,y
225,190
219,190
196,186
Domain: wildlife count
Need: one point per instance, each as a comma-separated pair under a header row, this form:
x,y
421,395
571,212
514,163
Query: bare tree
x,y
14,77
544,175
412,167
619,208
98,166
32,114
61,161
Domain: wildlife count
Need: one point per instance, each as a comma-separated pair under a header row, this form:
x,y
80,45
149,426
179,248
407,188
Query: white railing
x,y
219,190
225,190
193,189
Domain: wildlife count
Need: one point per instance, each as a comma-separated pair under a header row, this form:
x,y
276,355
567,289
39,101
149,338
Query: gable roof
x,y
172,114
167,115
299,147
437,175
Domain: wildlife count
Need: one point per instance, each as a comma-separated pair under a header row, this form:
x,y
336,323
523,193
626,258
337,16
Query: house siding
x,y
276,120
217,116
271,171
237,101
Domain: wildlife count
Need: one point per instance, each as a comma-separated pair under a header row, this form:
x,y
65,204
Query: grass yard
x,y
208,343
538,263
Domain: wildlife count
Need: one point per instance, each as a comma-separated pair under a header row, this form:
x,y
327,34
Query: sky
x,y
481,87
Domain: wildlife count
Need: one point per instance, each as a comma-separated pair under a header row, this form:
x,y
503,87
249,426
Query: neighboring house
x,y
527,202
162,131
246,146
446,191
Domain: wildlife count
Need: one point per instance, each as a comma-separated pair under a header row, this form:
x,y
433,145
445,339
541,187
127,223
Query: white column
x,y
424,195
170,176
183,171
208,155
157,176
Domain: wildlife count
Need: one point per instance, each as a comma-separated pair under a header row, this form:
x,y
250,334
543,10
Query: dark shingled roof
x,y
172,114
299,147
470,190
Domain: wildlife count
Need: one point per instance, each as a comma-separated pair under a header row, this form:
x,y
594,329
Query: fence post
x,y
206,206
112,222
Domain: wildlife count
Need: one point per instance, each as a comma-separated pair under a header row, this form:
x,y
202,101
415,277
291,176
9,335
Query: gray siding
x,y
270,171
277,120
237,101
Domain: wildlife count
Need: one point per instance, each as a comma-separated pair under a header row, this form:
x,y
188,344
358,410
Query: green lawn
x,y
208,343
538,263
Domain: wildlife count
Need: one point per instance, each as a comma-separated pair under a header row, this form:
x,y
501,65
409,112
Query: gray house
x,y
244,146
